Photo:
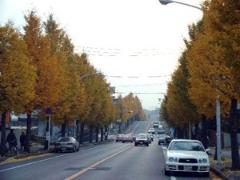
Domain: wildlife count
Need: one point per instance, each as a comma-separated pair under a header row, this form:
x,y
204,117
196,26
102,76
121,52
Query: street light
x,y
218,104
165,2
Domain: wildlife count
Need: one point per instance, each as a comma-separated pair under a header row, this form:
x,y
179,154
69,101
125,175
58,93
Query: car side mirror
x,y
208,151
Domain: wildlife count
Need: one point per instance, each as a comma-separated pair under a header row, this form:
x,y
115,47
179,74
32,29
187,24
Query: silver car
x,y
66,144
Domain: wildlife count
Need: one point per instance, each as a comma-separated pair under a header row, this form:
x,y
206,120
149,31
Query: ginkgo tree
x,y
214,65
17,77
48,80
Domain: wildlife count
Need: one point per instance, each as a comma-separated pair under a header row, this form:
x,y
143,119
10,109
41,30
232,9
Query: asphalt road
x,y
113,161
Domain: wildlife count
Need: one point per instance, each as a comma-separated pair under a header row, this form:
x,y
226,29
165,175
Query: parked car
x,y
142,139
186,156
119,138
66,144
127,138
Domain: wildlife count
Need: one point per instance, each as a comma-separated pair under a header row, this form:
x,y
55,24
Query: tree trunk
x,y
63,129
97,132
91,134
78,130
119,127
204,132
189,130
3,149
101,134
81,133
233,133
46,140
106,134
196,133
28,133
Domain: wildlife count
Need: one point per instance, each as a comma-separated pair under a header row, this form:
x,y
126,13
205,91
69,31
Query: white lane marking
x,y
173,178
30,163
88,148
93,166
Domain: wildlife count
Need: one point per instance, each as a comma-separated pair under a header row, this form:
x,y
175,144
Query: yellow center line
x,y
79,173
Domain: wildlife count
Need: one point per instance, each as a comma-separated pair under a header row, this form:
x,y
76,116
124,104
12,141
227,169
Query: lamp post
x,y
218,104
165,2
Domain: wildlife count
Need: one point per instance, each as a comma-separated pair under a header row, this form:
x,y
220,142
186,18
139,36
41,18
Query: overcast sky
x,y
136,43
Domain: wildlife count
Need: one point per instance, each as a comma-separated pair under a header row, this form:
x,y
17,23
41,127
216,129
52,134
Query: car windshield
x,y
64,139
186,146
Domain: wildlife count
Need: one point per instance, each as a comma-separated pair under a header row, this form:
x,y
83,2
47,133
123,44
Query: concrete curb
x,y
219,173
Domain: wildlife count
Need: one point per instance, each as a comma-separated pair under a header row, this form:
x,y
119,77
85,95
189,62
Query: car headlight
x,y
203,160
172,159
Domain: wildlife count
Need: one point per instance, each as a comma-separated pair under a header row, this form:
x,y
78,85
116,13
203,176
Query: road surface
x,y
112,161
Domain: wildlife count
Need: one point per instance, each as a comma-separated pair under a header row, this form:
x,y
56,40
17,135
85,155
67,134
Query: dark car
x,y
66,144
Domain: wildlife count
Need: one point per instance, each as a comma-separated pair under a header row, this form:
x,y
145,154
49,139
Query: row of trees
x,y
128,109
208,69
40,70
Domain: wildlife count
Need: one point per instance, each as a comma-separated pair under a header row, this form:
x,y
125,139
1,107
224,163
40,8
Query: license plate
x,y
188,168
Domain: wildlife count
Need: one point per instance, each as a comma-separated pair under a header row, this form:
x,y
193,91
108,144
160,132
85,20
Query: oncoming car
x,y
186,156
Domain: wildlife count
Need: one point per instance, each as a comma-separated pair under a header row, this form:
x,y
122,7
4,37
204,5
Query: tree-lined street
x,y
107,161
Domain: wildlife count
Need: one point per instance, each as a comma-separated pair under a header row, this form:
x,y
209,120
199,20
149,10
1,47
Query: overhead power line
x,y
142,93
99,51
136,77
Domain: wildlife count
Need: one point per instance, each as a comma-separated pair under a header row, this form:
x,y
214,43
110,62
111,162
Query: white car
x,y
142,139
185,155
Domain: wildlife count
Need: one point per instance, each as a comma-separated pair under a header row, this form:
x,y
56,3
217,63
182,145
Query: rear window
x,y
142,136
64,139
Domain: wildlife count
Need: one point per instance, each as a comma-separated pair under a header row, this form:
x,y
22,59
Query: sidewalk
x,y
226,164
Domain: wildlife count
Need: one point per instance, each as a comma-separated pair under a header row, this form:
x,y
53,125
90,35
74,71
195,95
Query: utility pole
x,y
218,134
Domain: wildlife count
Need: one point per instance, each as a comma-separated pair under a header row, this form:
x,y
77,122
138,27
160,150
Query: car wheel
x,y
147,144
135,144
167,173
